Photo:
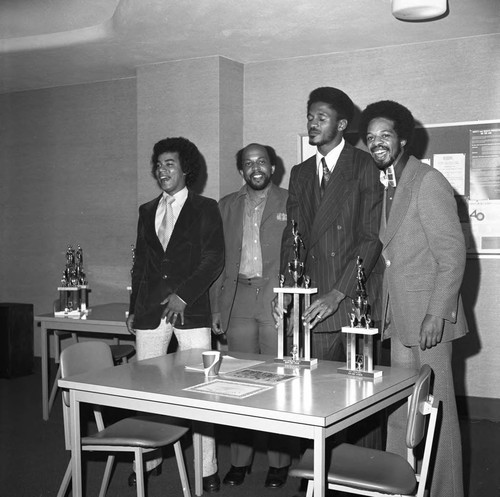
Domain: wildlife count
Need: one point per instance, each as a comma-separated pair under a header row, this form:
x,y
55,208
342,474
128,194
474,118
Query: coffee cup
x,y
211,362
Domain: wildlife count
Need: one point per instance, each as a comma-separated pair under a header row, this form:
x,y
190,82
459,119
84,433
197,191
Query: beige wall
x,y
67,176
200,99
74,160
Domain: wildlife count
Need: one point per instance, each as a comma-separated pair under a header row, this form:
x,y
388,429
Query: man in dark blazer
x,y
253,219
179,253
335,198
424,253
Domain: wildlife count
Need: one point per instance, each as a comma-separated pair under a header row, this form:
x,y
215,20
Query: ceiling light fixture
x,y
418,10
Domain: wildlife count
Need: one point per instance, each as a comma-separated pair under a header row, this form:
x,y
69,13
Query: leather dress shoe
x,y
236,475
211,483
276,477
132,479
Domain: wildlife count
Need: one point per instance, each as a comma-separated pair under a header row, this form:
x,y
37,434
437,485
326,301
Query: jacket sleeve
x,y
437,210
368,246
216,288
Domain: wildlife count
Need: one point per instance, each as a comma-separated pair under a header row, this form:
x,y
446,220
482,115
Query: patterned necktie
x,y
326,176
388,177
167,224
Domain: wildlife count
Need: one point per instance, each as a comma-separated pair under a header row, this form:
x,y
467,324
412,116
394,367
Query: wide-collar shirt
x,y
180,199
399,165
251,253
331,159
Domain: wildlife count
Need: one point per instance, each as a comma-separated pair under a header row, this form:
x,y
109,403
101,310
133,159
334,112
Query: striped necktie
x,y
326,176
167,224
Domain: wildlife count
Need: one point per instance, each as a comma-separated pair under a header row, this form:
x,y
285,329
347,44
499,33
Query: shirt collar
x,y
180,196
331,157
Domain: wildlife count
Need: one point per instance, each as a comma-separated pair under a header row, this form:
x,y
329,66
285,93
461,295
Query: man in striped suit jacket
x,y
337,211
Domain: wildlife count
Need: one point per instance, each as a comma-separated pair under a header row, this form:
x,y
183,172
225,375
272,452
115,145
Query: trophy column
x,y
301,300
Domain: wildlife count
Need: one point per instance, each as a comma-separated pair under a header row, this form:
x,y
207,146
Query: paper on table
x,y
228,365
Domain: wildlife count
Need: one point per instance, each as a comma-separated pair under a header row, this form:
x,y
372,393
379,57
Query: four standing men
x,y
253,219
335,197
424,253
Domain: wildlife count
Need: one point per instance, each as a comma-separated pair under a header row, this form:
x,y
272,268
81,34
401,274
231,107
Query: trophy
x,y
301,293
132,248
360,364
73,289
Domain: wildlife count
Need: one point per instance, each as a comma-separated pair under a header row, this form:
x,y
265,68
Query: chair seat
x,y
363,468
140,431
120,351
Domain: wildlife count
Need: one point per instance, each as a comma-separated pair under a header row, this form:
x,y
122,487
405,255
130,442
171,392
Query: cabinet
x,y
16,339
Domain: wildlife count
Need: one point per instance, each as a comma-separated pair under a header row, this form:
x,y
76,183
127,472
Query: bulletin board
x,y
468,155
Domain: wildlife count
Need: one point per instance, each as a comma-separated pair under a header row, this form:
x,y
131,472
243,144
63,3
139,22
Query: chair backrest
x,y
85,356
82,357
417,411
77,359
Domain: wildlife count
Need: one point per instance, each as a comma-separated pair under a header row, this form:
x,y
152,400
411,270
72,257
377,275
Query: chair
x,y
120,353
138,434
364,471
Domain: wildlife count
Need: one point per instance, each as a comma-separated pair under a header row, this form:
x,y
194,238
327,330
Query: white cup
x,y
211,362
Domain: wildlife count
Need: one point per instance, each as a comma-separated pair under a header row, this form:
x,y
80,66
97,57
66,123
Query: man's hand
x,y
431,331
175,308
322,307
277,310
130,324
216,324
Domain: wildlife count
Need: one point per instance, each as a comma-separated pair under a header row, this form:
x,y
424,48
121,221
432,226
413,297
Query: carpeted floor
x,y
33,458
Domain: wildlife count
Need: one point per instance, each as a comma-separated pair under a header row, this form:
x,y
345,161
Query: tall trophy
x,y
301,293
360,364
73,289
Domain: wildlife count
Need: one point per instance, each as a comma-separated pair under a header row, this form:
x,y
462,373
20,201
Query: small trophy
x,y
73,290
301,296
360,364
132,249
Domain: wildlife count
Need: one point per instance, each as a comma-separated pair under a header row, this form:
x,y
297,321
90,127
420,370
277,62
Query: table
x,y
106,319
316,404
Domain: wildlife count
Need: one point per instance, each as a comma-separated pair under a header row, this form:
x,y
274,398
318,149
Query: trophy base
x,y
78,314
360,373
289,362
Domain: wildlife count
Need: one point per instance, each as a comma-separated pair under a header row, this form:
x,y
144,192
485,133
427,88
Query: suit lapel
x,y
272,204
184,221
338,191
400,204
149,224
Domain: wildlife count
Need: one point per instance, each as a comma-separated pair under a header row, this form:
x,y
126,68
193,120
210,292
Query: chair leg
x,y
65,481
182,469
139,472
310,488
55,387
107,475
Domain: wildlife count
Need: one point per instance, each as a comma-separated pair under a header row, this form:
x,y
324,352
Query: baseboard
x,y
479,408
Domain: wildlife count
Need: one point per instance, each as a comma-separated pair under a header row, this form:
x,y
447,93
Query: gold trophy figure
x,y
73,289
